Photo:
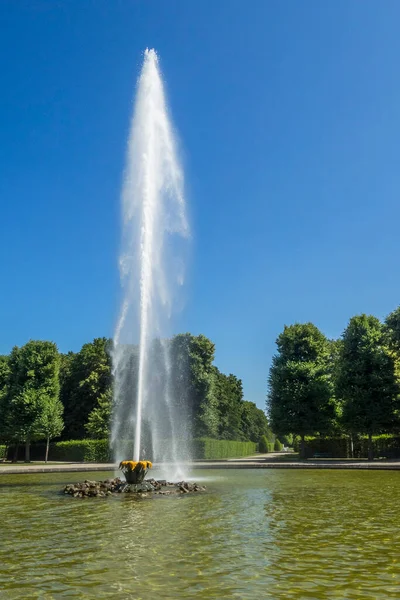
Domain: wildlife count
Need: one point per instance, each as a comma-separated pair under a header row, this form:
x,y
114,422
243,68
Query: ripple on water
x,y
254,534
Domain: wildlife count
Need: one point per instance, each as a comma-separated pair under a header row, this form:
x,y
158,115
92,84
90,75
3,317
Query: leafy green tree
x,y
254,423
33,386
366,382
228,391
99,422
5,433
192,381
50,422
392,329
300,399
85,376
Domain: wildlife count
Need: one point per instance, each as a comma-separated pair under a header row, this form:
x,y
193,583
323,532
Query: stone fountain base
x,y
147,488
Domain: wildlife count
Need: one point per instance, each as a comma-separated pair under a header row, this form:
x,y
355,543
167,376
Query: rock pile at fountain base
x,y
147,488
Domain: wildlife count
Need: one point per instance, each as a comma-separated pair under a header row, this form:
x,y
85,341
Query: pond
x,y
254,534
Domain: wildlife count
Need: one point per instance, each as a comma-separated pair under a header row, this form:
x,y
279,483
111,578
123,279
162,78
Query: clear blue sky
x,y
289,113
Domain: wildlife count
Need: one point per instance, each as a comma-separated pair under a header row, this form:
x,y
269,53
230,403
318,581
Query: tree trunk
x,y
16,448
351,446
28,450
5,453
302,447
370,447
47,449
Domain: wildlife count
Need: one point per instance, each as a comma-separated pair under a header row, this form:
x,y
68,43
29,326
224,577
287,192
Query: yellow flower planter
x,y
135,471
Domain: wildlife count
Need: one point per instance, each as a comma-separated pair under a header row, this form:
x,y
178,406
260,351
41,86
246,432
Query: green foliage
x,y
98,450
228,391
263,445
392,329
202,397
366,382
385,446
210,400
287,440
206,448
33,392
254,423
300,399
81,451
99,422
3,452
85,377
277,446
6,432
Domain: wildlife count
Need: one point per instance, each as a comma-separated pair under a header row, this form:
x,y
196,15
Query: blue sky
x,y
289,116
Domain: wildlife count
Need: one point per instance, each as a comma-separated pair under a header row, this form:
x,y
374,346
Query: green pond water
x,y
255,534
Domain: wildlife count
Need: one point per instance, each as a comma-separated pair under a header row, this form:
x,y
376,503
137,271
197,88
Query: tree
x,y
255,424
85,376
366,382
33,387
392,330
192,381
5,433
300,398
99,422
50,421
228,391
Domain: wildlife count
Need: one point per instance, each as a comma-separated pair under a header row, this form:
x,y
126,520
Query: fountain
x,y
155,228
147,373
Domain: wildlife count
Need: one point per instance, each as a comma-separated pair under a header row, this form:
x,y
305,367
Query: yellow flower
x,y
131,465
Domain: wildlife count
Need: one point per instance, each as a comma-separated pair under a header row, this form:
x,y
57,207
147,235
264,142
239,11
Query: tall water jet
x,y
151,267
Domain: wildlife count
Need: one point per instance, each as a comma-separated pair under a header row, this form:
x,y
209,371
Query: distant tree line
x,y
349,386
45,394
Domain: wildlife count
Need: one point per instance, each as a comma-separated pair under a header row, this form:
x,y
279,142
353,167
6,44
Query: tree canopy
x,y
300,398
366,381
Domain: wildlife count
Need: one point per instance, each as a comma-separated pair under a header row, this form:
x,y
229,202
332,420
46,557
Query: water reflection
x,y
335,537
255,534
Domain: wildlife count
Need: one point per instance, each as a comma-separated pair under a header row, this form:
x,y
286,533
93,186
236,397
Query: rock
x,y
147,488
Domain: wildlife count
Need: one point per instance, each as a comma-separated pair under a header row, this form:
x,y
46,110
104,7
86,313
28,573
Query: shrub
x,y
263,444
206,448
81,451
277,446
287,440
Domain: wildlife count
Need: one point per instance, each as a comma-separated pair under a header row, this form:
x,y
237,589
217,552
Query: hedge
x,y
384,446
3,452
99,450
69,451
206,448
263,445
81,451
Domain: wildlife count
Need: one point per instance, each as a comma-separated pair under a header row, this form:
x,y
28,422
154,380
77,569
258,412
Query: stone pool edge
x,y
229,464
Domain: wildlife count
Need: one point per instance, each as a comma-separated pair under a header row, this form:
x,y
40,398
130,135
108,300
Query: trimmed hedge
x,y
263,445
99,450
69,451
206,448
81,451
277,446
384,446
